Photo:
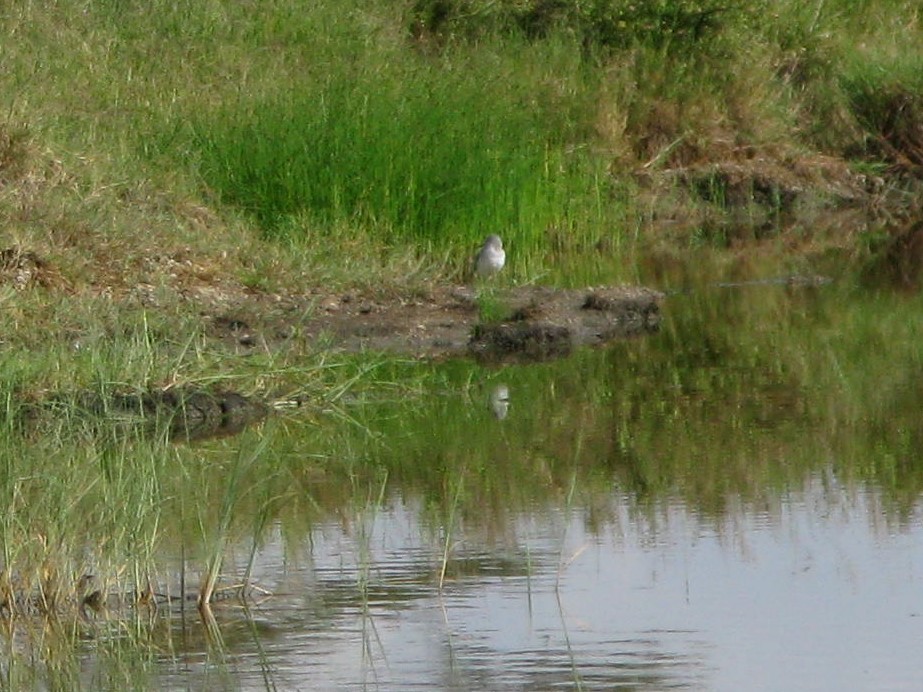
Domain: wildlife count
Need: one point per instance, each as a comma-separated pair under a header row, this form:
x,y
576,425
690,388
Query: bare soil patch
x,y
442,321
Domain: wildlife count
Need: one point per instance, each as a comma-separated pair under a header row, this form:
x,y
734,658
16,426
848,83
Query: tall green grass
x,y
363,130
415,150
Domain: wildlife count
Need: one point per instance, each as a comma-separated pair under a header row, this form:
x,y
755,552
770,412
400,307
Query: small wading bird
x,y
490,257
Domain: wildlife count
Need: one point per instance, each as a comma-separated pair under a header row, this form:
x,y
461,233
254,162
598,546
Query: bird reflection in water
x,y
500,401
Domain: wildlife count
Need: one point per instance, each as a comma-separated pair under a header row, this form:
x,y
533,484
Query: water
x,y
732,503
809,595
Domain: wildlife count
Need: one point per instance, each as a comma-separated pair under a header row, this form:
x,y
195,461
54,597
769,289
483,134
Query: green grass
x,y
149,149
372,136
290,147
420,151
428,154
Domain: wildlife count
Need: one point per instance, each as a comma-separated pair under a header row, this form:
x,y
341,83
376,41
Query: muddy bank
x,y
544,323
528,321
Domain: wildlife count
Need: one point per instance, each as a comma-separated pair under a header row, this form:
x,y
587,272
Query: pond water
x,y
808,595
729,503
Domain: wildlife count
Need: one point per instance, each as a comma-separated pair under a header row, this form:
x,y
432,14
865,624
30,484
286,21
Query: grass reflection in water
x,y
742,399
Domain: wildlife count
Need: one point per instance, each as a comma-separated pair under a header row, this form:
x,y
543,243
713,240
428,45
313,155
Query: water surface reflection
x,y
732,503
811,594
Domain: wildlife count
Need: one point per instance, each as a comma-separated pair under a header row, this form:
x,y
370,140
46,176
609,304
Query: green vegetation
x,y
409,131
166,160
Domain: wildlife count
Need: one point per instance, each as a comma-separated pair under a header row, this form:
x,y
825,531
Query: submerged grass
x,y
88,492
